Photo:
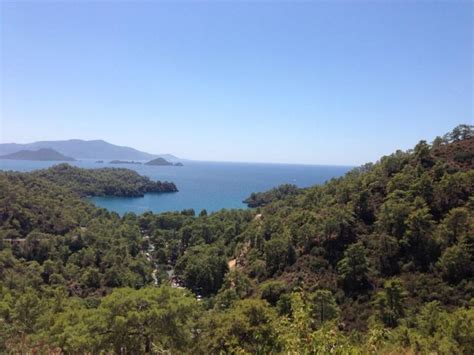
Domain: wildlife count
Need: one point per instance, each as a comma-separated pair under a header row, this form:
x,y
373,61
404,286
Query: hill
x,y
82,149
380,261
44,154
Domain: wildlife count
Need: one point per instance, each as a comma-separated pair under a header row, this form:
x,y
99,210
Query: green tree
x,y
388,250
461,132
430,318
390,303
271,291
278,254
456,225
353,268
324,307
418,240
294,331
456,263
236,286
423,154
247,327
129,321
202,269
393,214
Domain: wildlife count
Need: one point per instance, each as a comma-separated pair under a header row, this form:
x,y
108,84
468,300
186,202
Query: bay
x,y
202,185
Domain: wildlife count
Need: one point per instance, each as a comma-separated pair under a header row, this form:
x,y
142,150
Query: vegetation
x,y
103,182
378,261
258,199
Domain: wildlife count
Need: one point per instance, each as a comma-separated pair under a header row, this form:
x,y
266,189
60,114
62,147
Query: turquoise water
x,y
202,185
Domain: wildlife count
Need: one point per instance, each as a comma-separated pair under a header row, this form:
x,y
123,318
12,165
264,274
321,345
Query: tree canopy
x,y
378,261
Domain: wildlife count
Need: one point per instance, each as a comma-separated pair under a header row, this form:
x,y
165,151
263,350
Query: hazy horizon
x,y
305,83
179,157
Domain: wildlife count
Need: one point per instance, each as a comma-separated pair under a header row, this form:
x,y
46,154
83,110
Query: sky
x,y
339,83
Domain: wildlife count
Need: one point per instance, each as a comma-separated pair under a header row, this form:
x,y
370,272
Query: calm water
x,y
208,185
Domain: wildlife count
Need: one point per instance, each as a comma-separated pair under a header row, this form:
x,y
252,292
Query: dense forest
x,y
258,199
378,261
104,181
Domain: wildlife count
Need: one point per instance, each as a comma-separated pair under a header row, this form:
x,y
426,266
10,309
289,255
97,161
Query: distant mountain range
x,y
82,149
43,154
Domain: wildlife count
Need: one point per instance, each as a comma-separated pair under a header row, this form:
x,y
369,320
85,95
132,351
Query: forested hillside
x,y
259,199
378,261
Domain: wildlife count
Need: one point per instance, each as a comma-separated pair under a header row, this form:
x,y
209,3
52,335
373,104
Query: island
x,y
159,162
162,162
103,182
124,162
43,154
99,162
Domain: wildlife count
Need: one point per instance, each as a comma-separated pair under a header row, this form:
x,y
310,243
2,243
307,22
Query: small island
x,y
99,162
43,154
162,162
159,162
124,162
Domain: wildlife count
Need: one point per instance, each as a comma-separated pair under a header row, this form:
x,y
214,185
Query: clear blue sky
x,y
303,82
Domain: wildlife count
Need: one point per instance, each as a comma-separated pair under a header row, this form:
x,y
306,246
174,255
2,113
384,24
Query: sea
x,y
202,185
